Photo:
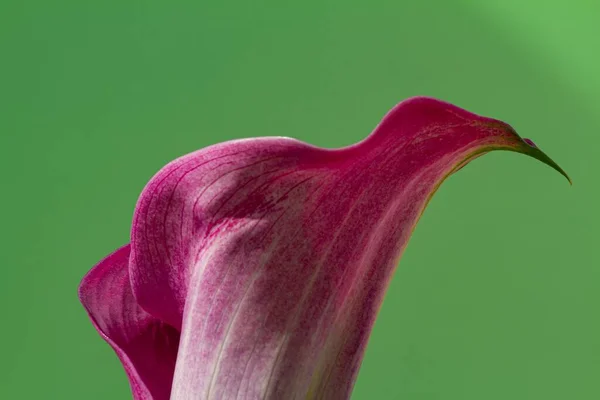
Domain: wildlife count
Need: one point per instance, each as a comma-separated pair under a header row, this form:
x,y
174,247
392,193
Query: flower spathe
x,y
256,267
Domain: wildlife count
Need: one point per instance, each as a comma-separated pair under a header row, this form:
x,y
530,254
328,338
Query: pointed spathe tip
x,y
532,150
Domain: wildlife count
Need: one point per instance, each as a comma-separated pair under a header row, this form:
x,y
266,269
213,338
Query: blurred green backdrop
x,y
497,294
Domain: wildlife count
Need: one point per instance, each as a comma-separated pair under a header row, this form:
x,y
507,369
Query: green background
x,y
497,294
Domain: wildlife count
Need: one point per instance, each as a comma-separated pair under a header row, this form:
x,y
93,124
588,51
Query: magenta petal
x,y
272,257
146,346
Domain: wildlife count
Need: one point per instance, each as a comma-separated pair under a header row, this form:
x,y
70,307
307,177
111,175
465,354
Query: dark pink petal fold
x,y
272,257
146,346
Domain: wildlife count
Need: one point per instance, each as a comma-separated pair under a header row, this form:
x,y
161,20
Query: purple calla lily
x,y
256,267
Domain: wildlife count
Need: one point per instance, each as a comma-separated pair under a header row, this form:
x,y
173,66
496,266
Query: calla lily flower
x,y
256,267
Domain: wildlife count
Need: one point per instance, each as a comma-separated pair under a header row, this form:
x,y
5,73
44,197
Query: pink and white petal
x,y
146,346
